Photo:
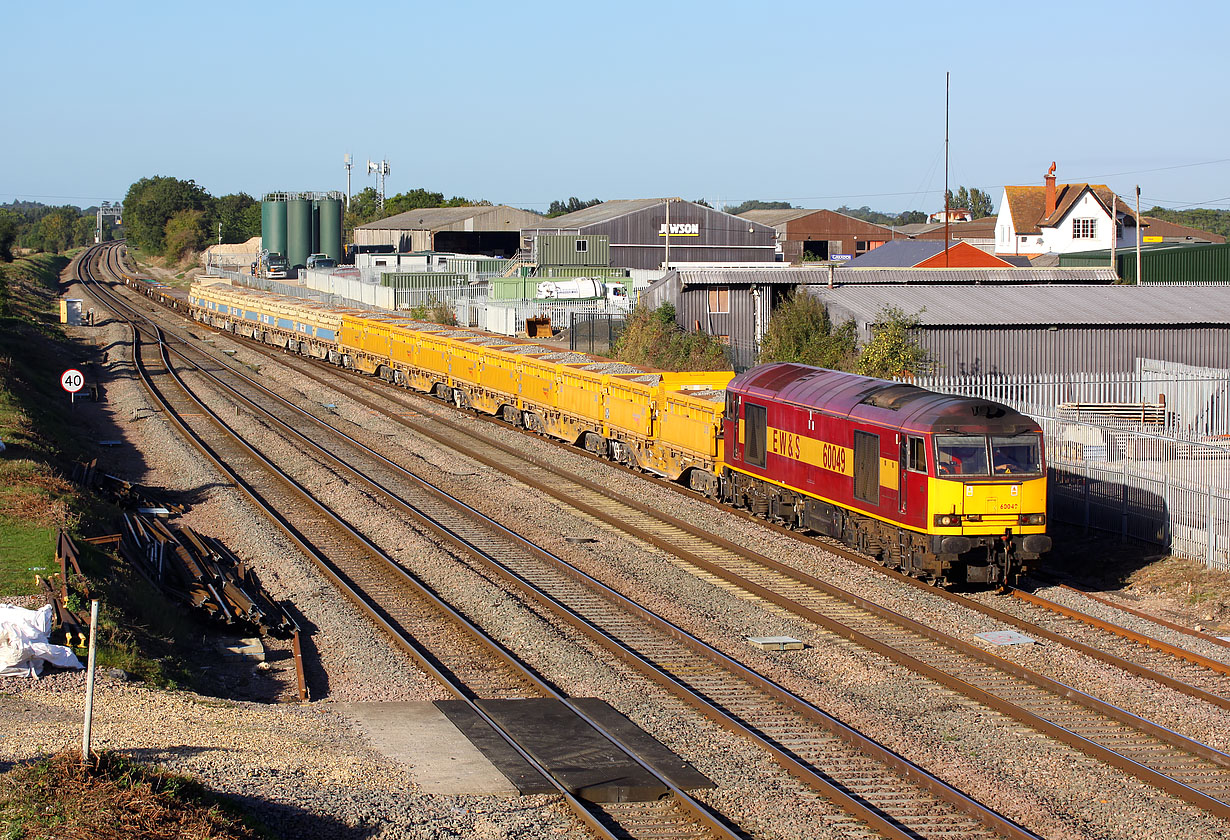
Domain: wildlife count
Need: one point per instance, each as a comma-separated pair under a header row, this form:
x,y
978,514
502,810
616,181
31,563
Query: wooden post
x,y
89,684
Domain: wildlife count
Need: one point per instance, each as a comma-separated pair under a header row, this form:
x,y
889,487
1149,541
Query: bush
x,y
435,312
893,349
801,331
653,339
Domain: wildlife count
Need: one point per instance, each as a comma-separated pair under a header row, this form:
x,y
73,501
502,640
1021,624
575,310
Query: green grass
x,y
25,551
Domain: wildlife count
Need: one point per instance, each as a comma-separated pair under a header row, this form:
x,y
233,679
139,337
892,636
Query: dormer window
x,y
1084,228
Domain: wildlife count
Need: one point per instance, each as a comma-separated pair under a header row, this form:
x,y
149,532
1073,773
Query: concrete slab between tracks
x,y
577,755
440,758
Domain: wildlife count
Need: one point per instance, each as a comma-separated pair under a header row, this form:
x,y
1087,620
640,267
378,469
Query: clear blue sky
x,y
520,103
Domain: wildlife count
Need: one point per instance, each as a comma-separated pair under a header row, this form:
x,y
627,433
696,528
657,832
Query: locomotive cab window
x,y
755,432
1016,454
961,455
917,455
732,406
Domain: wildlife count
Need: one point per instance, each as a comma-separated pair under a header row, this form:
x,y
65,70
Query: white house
x,y
1062,219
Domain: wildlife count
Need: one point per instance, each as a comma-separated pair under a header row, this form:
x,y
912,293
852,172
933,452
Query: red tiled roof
x,y
1027,204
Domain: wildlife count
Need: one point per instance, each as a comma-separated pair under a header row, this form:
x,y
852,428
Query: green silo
x,y
298,231
273,223
330,242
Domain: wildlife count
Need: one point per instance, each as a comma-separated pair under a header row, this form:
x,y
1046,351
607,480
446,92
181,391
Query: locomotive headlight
x,y
947,520
1033,518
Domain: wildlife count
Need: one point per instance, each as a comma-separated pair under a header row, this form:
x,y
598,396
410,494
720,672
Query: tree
x,y
150,204
977,202
801,331
10,224
54,231
980,204
364,207
572,205
240,217
84,229
893,349
756,204
186,231
703,203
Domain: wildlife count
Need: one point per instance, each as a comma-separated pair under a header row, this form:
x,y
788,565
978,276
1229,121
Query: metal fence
x,y
1196,399
1164,482
596,333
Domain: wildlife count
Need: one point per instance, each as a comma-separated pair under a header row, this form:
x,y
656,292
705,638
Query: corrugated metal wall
x,y
1190,264
739,324
636,242
966,351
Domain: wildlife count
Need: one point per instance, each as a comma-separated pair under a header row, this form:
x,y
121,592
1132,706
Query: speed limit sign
x,y
72,380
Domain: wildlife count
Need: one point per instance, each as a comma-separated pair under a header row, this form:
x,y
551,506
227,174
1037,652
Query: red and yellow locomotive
x,y
947,488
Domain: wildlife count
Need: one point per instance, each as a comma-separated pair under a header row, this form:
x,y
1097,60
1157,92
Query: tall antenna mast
x,y
381,170
946,75
348,161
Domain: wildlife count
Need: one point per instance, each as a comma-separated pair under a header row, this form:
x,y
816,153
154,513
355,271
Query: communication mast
x,y
380,170
348,161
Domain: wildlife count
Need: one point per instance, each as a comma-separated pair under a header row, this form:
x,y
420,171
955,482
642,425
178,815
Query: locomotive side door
x,y
903,482
913,470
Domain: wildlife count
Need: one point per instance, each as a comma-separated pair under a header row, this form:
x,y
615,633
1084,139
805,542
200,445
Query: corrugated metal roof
x,y
772,218
429,218
899,253
893,276
974,276
603,212
1034,305
752,276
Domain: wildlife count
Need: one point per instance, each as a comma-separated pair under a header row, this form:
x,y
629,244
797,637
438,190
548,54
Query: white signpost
x,y
72,380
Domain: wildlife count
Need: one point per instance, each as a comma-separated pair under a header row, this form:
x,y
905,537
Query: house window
x,y
860,246
582,246
1084,228
719,300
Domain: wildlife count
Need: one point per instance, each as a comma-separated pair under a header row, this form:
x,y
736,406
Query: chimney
x,y
1050,191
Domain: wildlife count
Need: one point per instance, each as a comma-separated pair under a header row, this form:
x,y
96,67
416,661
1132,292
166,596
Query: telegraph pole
x,y
1138,271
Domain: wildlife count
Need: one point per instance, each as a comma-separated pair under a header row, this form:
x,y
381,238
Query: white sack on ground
x,y
23,643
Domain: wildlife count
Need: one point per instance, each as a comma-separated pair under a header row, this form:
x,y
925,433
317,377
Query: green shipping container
x,y
1163,263
512,288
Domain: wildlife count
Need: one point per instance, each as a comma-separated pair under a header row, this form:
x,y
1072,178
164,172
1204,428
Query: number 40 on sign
x,y
72,381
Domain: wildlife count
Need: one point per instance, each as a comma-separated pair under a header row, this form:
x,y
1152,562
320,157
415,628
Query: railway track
x,y
463,663
881,789
1190,770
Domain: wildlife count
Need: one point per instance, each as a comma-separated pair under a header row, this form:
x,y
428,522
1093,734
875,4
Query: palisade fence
x,y
1162,477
